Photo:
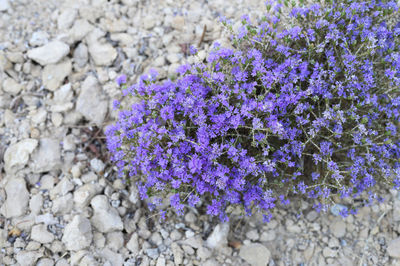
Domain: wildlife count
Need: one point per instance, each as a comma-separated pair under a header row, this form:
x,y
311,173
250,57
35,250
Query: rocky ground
x,y
61,203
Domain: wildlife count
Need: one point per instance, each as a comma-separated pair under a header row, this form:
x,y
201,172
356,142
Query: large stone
x,y
11,86
105,218
80,29
66,18
85,193
62,100
255,254
81,55
78,234
40,234
47,157
27,258
4,5
90,102
50,53
219,236
17,155
103,54
393,248
17,198
53,75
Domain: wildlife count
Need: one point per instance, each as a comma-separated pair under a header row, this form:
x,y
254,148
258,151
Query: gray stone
x,y
115,240
63,204
27,258
78,234
133,244
81,55
85,193
66,18
39,38
255,254
4,5
17,155
11,86
90,102
17,198
45,262
40,234
62,99
50,53
218,237
105,218
62,188
393,248
103,54
35,204
178,253
53,75
97,165
47,157
80,29
113,258
338,228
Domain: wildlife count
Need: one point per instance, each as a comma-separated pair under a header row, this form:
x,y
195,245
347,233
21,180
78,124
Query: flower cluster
x,y
312,109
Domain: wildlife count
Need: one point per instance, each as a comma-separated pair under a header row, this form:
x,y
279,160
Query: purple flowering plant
x,y
312,109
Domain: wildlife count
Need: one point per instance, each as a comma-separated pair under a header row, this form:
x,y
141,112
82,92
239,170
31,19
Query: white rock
x,y
97,165
338,228
113,258
53,75
39,38
90,102
80,29
105,217
178,253
47,182
50,53
17,198
40,234
219,236
4,5
133,244
66,18
62,100
11,86
255,254
148,22
35,204
17,155
63,204
115,240
85,193
56,119
27,258
103,54
393,248
81,55
178,22
78,234
47,157
45,262
62,188
39,116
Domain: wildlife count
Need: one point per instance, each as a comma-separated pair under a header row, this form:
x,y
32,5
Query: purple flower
x,y
121,80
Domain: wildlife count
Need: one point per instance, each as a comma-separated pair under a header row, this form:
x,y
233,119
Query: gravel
x,y
61,200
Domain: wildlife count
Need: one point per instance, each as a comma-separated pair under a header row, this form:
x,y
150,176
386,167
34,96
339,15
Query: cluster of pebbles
x,y
60,201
